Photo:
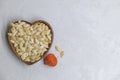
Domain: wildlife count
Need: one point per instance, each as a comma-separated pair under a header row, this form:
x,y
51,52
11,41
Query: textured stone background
x,y
87,30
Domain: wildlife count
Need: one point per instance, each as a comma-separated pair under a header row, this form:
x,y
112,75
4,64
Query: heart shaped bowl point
x,y
30,41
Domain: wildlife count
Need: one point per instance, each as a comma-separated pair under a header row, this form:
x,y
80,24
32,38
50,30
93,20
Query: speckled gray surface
x,y
87,30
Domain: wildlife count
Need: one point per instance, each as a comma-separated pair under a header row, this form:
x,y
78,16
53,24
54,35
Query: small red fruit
x,y
50,60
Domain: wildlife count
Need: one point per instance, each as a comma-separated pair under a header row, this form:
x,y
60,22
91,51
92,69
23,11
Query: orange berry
x,y
50,60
